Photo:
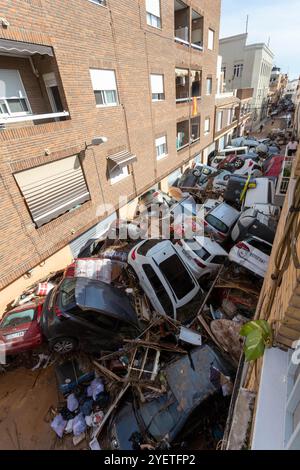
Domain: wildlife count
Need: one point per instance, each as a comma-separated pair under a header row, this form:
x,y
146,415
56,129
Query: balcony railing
x,y
33,117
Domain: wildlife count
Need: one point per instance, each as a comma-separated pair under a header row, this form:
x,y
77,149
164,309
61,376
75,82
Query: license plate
x,y
15,335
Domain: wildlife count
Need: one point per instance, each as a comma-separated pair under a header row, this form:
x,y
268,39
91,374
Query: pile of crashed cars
x,y
142,328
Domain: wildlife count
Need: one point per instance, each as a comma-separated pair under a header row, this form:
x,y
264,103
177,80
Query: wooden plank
x,y
111,375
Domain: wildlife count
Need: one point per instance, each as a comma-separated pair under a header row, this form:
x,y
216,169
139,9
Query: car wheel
x,y
238,163
63,345
196,173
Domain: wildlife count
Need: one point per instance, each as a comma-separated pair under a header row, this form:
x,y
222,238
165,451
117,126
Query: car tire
x,y
238,163
63,345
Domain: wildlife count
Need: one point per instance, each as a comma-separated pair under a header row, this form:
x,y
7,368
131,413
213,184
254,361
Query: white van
x,y
263,193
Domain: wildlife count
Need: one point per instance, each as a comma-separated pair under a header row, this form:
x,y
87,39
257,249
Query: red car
x,y
20,328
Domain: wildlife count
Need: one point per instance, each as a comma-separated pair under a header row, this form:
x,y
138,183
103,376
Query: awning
x,y
120,159
24,48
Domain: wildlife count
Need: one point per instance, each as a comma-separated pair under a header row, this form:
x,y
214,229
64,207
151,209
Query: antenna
x,y
247,23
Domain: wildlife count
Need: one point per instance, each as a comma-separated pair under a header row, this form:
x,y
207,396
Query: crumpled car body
x,y
191,380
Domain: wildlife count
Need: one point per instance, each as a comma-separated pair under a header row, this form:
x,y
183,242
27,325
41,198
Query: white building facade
x,y
247,66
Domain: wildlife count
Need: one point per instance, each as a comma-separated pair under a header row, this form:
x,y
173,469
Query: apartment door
x,y
53,92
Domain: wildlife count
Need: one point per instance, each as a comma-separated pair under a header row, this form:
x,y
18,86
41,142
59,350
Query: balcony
x,y
188,84
197,31
182,85
183,133
30,89
182,22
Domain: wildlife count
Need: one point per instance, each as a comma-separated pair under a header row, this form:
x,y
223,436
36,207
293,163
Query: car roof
x,y
192,385
95,295
225,212
21,308
210,245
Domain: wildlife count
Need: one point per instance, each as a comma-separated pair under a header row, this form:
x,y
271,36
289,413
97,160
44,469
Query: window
x,y
207,126
197,30
182,134
177,276
161,147
99,2
209,86
118,174
238,70
198,249
13,98
182,84
157,87
105,87
181,22
224,72
18,318
211,39
216,223
52,189
153,13
159,289
196,83
195,129
219,120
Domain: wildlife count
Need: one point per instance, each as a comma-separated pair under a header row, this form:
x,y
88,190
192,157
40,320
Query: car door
x,y
95,330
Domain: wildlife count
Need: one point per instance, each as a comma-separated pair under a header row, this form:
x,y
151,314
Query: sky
x,y
275,19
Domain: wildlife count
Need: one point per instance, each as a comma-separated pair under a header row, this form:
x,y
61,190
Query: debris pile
x,y
143,331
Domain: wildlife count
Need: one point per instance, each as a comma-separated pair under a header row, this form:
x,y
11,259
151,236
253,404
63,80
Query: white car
x,y
220,220
252,254
165,278
202,255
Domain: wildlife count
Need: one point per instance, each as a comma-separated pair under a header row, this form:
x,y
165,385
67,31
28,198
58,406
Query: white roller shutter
x,y
157,83
153,7
103,79
52,189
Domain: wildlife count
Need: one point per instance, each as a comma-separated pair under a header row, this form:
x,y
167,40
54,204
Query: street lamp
x,y
96,141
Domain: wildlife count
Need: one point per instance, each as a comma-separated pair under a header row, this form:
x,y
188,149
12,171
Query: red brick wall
x,y
85,35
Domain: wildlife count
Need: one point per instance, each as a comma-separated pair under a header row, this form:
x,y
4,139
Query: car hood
x,y
104,298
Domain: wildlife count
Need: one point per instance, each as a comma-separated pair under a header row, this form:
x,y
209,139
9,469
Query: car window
x,y
67,292
97,319
199,251
219,259
159,289
143,249
18,318
216,223
261,246
177,276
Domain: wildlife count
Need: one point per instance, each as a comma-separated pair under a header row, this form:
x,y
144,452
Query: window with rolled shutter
x,y
55,188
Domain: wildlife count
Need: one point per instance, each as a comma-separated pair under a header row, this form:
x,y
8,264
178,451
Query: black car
x,y
196,176
88,314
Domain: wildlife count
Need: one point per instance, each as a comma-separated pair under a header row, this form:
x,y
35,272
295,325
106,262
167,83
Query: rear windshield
x,y
199,251
18,318
177,276
216,223
67,293
261,246
143,249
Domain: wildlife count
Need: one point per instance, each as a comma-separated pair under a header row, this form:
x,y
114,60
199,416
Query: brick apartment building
x,y
141,73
